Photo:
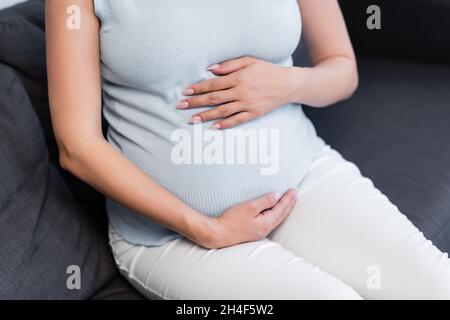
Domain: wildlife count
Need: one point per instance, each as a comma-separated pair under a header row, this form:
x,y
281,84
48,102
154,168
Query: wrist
x,y
296,79
202,229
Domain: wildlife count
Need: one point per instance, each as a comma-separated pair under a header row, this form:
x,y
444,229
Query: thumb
x,y
231,66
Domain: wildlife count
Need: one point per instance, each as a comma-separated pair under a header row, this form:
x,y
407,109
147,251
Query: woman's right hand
x,y
249,221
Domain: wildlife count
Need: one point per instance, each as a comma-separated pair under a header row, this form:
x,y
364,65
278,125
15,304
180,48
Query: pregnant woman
x,y
217,185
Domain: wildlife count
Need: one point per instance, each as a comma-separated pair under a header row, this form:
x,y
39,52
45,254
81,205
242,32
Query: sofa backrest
x,y
410,29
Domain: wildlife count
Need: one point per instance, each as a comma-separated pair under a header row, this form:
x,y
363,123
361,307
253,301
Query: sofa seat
x,y
396,128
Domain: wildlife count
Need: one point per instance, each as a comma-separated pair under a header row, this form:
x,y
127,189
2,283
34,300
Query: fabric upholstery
x,y
396,129
42,229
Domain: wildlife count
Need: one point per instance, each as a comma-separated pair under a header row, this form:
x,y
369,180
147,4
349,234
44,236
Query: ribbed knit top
x,y
151,50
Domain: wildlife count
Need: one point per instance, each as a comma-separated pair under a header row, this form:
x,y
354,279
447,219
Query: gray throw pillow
x,y
43,232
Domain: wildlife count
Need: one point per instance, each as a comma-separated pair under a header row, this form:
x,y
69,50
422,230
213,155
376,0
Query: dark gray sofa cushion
x,y
396,129
42,229
22,47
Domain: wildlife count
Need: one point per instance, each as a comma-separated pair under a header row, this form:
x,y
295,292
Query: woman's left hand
x,y
246,89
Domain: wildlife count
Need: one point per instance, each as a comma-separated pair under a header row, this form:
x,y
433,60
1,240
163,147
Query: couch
x,y
395,128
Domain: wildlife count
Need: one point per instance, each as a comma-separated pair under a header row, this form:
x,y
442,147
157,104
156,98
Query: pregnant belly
x,y
212,170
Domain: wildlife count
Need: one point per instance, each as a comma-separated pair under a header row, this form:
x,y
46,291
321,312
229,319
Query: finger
x,y
290,197
231,66
211,85
264,202
288,210
234,120
280,210
221,111
208,99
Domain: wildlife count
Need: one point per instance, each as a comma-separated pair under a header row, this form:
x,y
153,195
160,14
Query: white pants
x,y
343,240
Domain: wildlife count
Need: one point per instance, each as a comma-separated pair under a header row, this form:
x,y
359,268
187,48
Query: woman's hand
x,y
249,221
247,88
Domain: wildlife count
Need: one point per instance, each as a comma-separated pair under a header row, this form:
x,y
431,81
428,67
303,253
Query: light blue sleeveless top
x,y
151,50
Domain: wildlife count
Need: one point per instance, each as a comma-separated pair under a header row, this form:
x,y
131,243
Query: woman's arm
x,y
334,74
75,104
73,62
249,88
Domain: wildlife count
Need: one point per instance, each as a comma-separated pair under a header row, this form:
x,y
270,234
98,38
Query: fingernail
x,y
216,126
195,119
182,105
213,66
188,92
276,196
